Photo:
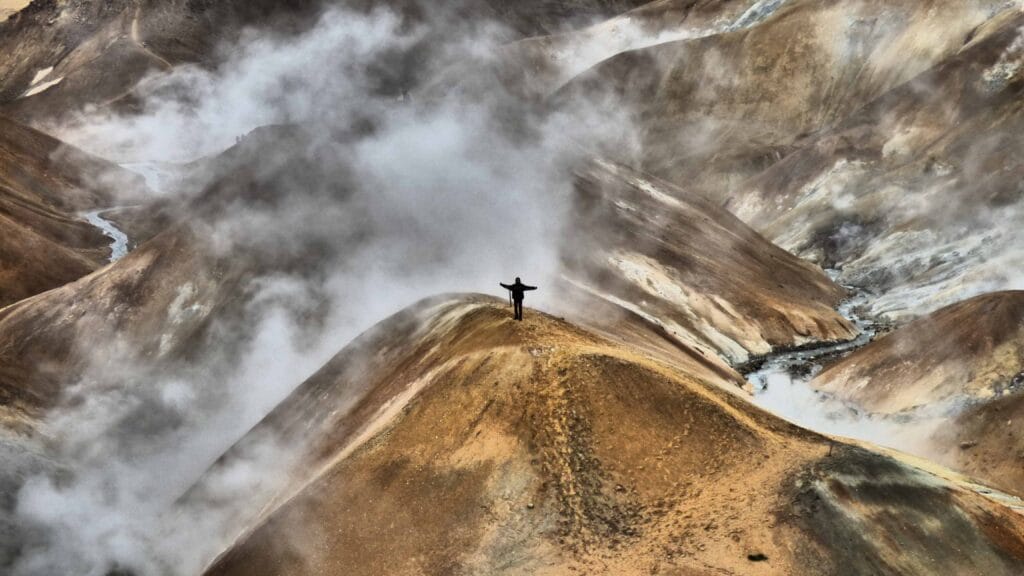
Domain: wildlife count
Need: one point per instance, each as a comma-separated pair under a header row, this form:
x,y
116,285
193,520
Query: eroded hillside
x,y
45,187
567,453
804,205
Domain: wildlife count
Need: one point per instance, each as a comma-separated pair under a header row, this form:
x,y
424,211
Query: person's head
x,y
517,280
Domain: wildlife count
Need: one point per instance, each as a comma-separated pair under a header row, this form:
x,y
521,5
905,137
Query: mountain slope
x,y
155,302
716,110
488,445
687,266
917,196
963,362
44,185
972,349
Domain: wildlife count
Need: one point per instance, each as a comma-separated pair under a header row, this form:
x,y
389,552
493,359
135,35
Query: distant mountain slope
x,y
44,185
63,56
917,196
716,110
475,443
540,65
158,298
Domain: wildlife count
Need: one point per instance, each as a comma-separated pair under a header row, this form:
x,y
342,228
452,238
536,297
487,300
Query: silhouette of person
x,y
517,291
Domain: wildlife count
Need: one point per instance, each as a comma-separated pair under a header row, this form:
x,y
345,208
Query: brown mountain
x,y
466,441
679,285
715,110
608,435
62,56
970,349
685,265
917,194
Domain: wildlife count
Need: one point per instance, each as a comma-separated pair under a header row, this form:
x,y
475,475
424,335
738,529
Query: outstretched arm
x,y
505,286
525,287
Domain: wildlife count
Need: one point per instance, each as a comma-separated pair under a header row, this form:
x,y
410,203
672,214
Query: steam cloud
x,y
412,191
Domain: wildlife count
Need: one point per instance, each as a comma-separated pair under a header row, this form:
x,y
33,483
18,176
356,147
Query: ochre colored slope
x,y
972,349
458,440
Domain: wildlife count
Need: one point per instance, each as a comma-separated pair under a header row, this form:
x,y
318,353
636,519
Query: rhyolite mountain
x,y
778,158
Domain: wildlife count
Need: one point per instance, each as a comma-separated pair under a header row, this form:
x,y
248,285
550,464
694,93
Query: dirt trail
x,y
141,45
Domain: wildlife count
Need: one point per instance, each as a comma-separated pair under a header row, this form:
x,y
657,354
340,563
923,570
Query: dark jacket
x,y
518,290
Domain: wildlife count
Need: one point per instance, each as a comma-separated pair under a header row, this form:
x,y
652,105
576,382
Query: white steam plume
x,y
442,193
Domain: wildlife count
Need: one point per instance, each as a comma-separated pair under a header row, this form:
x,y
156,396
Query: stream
x,y
159,177
119,240
781,385
780,369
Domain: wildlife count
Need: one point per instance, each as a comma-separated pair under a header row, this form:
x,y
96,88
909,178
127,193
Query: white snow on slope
x,y
579,51
42,87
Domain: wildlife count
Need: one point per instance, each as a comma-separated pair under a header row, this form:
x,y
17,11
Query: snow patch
x,y
998,76
181,310
42,87
756,14
585,49
41,75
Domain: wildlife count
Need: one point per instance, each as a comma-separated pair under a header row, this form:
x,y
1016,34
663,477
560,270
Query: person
x,y
516,292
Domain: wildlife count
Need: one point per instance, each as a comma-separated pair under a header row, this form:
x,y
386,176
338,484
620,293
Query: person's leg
x,y
519,309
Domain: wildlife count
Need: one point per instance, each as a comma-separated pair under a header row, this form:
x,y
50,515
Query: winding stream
x,y
119,244
782,368
781,384
158,177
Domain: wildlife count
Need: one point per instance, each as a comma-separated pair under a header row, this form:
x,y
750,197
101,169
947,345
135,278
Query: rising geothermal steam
x,y
402,194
